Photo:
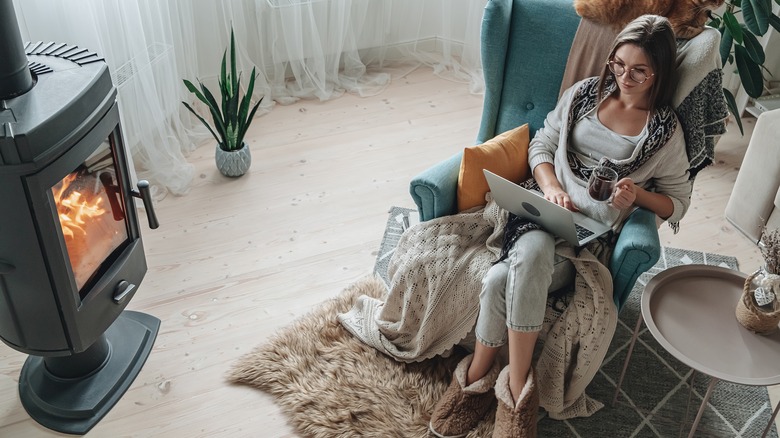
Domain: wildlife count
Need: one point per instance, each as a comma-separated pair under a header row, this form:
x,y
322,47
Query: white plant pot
x,y
233,163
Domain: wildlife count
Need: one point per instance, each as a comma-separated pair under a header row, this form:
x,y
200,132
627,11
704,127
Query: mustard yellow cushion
x,y
505,154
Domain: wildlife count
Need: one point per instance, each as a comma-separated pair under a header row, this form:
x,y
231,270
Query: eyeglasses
x,y
637,76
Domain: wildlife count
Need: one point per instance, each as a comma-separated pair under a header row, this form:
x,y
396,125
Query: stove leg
x,y
81,364
71,394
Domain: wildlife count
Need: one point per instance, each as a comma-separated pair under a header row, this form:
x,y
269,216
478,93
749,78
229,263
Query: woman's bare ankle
x,y
516,389
472,375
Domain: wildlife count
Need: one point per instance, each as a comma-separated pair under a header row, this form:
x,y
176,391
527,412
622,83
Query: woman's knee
x,y
494,281
534,251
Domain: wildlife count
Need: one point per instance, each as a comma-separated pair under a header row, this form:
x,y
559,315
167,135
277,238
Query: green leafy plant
x,y
233,118
739,44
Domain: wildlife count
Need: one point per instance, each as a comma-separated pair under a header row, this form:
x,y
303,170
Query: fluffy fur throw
x,y
687,17
329,384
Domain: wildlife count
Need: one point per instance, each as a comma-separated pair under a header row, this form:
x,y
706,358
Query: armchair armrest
x,y
638,249
435,189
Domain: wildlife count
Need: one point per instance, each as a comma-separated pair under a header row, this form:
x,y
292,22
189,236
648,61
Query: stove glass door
x,y
91,213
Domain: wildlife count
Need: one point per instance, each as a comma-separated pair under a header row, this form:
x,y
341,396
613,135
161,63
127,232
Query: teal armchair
x,y
524,46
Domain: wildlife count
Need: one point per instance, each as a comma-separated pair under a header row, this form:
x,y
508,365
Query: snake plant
x,y
232,119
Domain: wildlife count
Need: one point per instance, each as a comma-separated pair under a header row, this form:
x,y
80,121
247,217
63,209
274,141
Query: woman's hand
x,y
560,197
625,194
544,174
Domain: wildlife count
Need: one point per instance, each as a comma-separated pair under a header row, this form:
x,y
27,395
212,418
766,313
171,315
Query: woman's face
x,y
634,64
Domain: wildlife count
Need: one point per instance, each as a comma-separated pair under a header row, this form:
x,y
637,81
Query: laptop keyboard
x,y
582,232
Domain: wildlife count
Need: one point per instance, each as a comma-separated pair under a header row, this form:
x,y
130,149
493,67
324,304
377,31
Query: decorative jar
x,y
758,309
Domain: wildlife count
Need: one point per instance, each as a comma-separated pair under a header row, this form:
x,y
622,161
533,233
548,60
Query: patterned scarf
x,y
661,127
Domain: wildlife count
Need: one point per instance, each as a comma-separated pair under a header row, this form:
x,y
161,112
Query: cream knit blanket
x,y
433,301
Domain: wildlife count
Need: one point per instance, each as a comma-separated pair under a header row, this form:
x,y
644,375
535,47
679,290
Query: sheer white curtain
x,y
303,49
321,49
454,54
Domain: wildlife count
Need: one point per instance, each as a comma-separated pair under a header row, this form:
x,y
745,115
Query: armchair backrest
x,y
524,48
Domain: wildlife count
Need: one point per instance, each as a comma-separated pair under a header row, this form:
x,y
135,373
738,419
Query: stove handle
x,y
122,290
146,196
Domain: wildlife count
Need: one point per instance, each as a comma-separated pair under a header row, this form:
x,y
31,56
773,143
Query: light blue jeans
x,y
514,291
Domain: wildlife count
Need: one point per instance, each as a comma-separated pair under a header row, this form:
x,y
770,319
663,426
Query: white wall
x,y
48,27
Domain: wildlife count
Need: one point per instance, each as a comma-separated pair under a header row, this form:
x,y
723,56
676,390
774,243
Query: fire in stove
x,y
91,217
68,203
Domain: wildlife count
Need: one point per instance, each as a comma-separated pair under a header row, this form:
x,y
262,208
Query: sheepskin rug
x,y
329,384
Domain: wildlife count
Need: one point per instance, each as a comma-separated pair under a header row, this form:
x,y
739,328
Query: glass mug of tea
x,y
601,184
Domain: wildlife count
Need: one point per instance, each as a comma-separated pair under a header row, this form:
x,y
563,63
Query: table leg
x,y
639,321
688,405
771,421
703,406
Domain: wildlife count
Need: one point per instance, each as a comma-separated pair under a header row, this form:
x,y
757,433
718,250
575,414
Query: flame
x,y
75,209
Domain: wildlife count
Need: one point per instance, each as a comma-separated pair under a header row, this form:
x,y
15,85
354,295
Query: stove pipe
x,y
15,76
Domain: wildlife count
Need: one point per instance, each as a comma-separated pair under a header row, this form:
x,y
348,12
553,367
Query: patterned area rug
x,y
655,391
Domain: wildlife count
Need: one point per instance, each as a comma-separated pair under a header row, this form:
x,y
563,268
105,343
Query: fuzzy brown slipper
x,y
460,408
520,421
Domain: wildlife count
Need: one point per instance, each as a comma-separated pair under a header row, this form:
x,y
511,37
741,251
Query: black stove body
x,y
71,254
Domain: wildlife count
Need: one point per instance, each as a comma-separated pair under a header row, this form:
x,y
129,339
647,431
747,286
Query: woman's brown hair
x,y
654,35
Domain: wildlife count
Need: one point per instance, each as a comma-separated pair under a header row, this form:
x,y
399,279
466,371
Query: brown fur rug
x,y
331,385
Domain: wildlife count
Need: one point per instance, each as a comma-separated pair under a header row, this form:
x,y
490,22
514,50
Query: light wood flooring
x,y
237,259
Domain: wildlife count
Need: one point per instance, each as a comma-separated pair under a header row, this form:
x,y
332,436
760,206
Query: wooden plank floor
x,y
237,259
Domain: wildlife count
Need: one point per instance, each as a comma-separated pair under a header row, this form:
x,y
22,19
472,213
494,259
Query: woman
x,y
622,119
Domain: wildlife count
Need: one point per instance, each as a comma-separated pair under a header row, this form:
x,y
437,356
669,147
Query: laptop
x,y
574,227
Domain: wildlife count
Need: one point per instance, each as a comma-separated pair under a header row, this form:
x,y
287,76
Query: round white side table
x,y
690,311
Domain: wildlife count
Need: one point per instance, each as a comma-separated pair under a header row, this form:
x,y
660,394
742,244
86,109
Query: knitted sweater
x,y
661,168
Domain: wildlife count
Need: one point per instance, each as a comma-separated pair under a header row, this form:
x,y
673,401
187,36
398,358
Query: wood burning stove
x,y
71,254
